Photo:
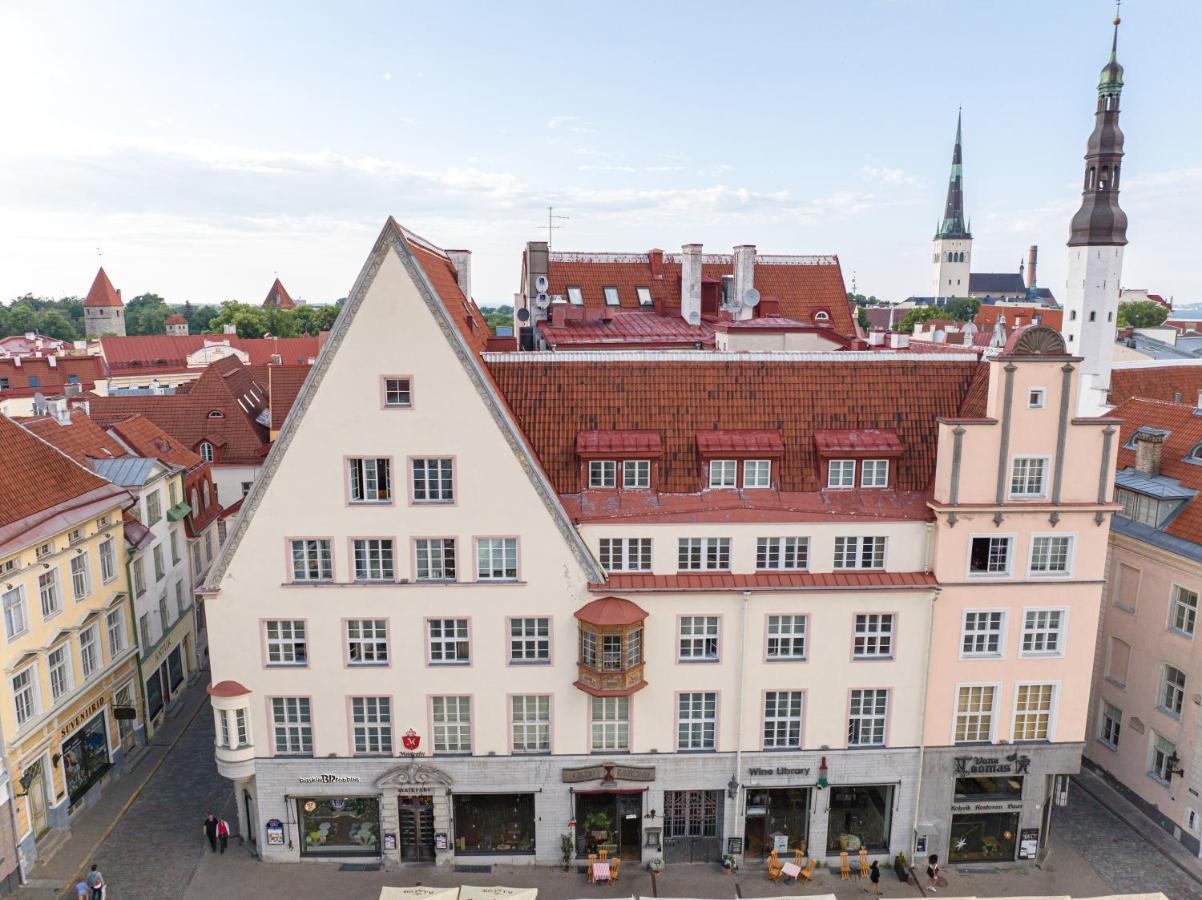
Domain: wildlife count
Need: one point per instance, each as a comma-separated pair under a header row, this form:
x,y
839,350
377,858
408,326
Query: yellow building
x,y
68,653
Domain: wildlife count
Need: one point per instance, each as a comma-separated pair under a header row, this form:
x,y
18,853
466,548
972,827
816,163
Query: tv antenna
x,y
551,226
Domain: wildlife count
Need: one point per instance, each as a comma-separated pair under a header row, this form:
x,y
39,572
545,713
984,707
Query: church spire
x,y
1100,221
952,225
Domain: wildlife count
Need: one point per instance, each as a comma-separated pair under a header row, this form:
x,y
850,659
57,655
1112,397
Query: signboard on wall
x,y
440,841
389,841
1028,843
275,833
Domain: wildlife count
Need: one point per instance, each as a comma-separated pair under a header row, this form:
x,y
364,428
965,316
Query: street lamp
x,y
1172,766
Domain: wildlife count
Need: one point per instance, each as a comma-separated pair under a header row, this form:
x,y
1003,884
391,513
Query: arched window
x,y
216,414
206,451
1196,453
1114,179
1093,316
1072,315
1089,177
822,316
1105,179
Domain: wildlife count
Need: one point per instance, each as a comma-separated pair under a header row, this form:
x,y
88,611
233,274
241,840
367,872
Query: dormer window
x,y
611,296
575,295
216,414
636,474
874,473
606,456
757,473
841,473
724,473
602,473
206,451
644,295
822,316
871,450
739,459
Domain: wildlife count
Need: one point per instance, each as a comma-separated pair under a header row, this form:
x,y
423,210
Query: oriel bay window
x,y
610,661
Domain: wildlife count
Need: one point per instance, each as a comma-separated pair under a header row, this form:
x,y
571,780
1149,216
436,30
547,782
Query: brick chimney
x,y
690,283
462,261
655,259
744,267
1032,259
1147,452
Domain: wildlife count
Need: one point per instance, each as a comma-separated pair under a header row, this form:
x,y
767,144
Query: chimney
x,y
744,266
462,261
1032,258
30,335
876,337
58,408
17,361
655,259
1147,453
690,283
52,362
155,387
230,329
899,340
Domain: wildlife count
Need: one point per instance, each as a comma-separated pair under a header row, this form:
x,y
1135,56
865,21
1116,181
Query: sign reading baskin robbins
x,y
328,779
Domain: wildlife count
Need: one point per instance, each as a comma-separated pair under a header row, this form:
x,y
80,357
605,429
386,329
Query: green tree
x,y
1141,314
22,318
148,319
919,314
52,323
250,321
862,318
962,309
4,315
198,316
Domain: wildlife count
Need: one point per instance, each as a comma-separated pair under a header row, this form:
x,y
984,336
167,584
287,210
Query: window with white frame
x,y
625,554
433,480
757,473
48,592
724,473
108,560
868,713
435,559
782,553
448,641
841,473
114,623
1110,725
373,559
89,652
974,713
611,296
1051,554
160,570
696,721
874,473
602,473
25,697
312,560
786,637
292,720
644,295
206,451
398,393
1162,751
1043,632
982,632
1172,691
698,554
371,725
287,644
782,720
874,636
44,550
611,724
16,621
80,582
860,552
452,724
636,474
371,479
1035,398
154,507
59,663
531,722
990,555
698,639
497,559
1183,610
241,727
367,642
530,640
575,296
1028,476
1033,711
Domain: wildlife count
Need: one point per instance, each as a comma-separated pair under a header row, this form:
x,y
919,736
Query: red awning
x,y
611,611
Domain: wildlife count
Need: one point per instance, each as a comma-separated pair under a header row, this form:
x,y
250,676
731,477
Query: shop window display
x,y
983,836
494,823
86,757
339,826
1005,787
777,818
860,818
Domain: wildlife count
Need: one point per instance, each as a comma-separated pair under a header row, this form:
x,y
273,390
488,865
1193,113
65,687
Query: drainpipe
x,y
739,712
922,710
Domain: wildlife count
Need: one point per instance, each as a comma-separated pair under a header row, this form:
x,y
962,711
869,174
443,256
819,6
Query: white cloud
x,y
887,175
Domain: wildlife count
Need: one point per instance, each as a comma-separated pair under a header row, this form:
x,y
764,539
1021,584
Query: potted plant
x,y
655,866
901,867
567,849
729,864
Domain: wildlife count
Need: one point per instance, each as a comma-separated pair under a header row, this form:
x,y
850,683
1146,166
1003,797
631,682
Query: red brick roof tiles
x,y
593,443
987,315
628,328
865,440
283,384
739,440
51,379
176,319
102,292
1156,383
441,272
278,297
81,440
147,439
169,352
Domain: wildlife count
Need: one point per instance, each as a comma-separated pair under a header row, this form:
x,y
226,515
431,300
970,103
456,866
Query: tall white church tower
x,y
1095,246
952,251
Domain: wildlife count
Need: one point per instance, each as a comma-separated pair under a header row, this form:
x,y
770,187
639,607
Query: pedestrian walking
x,y
211,831
223,833
932,872
82,890
874,875
96,883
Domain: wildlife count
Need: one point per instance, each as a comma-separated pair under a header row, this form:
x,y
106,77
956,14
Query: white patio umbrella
x,y
477,892
419,893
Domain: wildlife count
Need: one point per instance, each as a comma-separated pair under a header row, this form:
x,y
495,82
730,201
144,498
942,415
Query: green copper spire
x,y
952,225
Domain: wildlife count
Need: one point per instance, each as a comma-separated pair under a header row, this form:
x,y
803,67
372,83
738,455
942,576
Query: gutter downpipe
x,y
922,741
739,711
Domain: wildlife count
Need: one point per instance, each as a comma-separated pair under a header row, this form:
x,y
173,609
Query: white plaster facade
x,y
1091,301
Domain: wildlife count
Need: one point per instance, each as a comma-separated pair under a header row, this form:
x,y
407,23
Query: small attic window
x,y
611,296
216,414
575,296
1195,455
822,316
644,295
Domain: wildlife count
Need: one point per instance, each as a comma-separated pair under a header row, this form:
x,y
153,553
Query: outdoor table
x,y
791,869
601,871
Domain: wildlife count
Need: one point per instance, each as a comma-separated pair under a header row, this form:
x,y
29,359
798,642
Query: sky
x,y
198,149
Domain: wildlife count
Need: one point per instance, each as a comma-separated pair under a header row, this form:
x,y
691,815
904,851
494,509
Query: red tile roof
x,y
1157,383
169,352
147,439
739,440
864,440
282,384
102,292
1185,433
278,297
593,443
804,285
51,378
81,440
227,387
20,345
441,272
36,478
553,398
987,315
227,689
611,611
725,581
176,319
627,328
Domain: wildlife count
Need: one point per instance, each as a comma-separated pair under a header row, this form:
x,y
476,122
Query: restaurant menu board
x,y
1028,843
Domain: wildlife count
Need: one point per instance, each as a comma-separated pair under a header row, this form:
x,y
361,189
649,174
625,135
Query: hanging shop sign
x,y
608,773
1012,764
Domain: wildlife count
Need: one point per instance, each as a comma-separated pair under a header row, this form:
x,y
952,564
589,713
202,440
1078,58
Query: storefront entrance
x,y
976,837
339,826
776,818
611,821
692,826
125,727
416,827
860,818
86,757
36,793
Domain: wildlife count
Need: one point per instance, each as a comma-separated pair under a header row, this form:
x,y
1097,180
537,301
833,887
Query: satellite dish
x,y
541,284
694,318
751,298
523,315
542,301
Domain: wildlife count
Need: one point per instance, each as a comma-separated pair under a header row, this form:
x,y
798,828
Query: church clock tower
x,y
1095,245
952,252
